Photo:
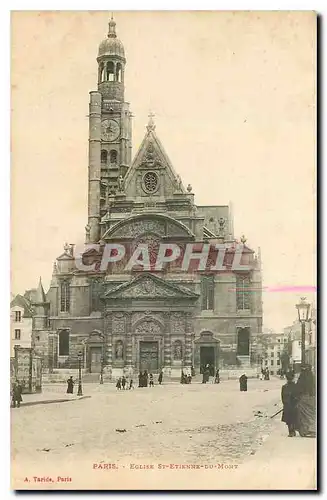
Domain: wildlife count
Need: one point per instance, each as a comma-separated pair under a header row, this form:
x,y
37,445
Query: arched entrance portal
x,y
149,339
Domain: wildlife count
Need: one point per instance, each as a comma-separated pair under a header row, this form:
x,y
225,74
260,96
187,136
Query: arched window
x,y
104,156
243,341
110,71
113,156
242,292
207,292
64,343
118,72
64,296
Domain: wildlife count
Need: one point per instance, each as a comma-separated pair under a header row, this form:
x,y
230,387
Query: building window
x,y
243,341
242,293
104,156
17,334
113,156
110,72
18,316
96,291
207,292
64,343
272,354
37,338
278,362
118,72
272,362
271,372
278,340
64,296
266,362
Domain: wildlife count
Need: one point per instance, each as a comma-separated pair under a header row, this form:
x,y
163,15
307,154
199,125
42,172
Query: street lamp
x,y
80,357
101,371
303,309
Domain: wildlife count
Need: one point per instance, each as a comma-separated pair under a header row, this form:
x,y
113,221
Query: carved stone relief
x,y
147,288
118,323
139,227
177,323
148,328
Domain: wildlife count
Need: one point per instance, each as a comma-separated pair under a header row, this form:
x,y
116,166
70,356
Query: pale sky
x,y
234,97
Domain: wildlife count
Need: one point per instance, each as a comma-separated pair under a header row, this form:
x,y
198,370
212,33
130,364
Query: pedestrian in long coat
x,y
118,384
146,378
160,377
17,394
123,382
217,377
289,401
140,379
151,380
70,385
243,383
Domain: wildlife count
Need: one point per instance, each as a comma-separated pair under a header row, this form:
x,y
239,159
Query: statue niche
x,y
177,350
119,350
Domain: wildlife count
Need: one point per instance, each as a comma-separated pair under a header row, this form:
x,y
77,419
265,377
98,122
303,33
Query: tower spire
x,y
112,27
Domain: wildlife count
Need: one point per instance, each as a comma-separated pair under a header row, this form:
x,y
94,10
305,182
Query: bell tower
x,y
110,130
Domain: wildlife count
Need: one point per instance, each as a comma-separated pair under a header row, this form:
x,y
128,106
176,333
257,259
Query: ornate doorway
x,y
95,359
207,357
149,356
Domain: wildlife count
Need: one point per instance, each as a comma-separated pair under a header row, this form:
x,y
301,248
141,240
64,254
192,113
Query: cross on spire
x,y
151,124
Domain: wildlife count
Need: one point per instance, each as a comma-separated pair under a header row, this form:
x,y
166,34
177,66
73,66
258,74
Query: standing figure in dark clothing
x,y
192,371
118,384
131,386
306,403
70,385
140,379
267,374
160,377
243,383
217,377
146,378
151,384
205,375
17,394
123,382
183,377
289,402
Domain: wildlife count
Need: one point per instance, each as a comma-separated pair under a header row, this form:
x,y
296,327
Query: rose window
x,y
150,182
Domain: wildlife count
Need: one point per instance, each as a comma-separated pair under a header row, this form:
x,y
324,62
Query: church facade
x,y
121,317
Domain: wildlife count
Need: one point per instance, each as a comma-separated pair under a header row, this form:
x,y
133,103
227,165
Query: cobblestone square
x,y
203,425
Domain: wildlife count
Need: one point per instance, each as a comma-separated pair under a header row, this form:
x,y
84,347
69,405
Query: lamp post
x,y
101,371
303,309
80,357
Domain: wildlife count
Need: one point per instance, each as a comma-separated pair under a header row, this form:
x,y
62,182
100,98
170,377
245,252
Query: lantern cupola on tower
x,y
111,61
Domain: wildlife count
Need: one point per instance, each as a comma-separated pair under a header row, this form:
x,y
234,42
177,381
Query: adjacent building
x,y
131,319
21,322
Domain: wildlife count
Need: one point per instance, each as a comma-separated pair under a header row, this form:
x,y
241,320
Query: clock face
x,y
110,130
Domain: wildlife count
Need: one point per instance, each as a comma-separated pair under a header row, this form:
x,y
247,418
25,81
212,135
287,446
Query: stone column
x,y
128,358
108,345
189,337
94,165
167,344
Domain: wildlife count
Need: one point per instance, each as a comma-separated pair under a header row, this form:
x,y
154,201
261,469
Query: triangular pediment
x,y
150,286
151,172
